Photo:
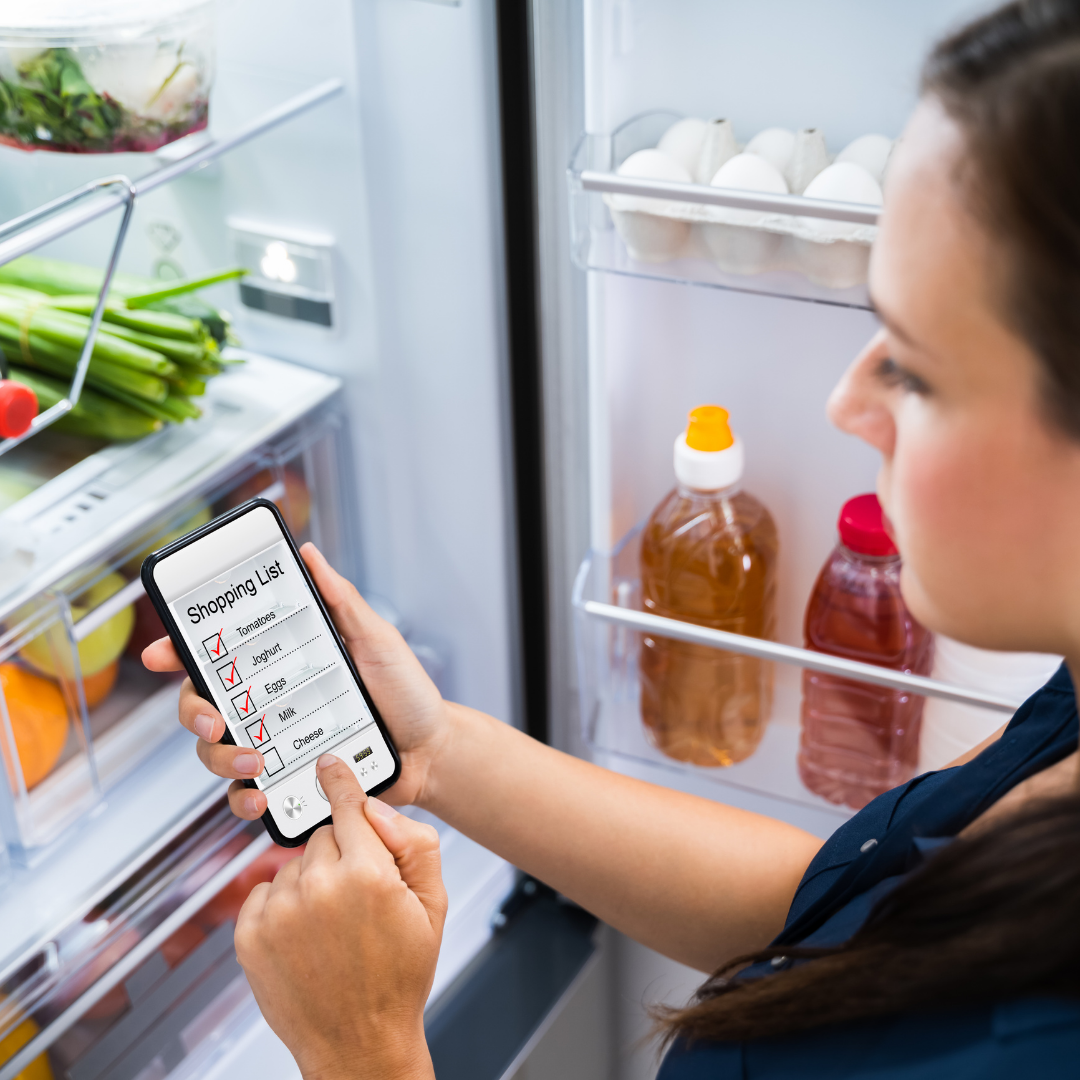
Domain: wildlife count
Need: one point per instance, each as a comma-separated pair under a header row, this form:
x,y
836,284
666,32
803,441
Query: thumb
x,y
415,848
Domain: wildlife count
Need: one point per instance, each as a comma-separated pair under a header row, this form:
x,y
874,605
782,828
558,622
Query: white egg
x,y
833,260
651,237
869,151
740,248
682,141
654,165
751,172
844,182
775,145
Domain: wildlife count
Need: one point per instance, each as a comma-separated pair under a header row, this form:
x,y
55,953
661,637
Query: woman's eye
x,y
892,374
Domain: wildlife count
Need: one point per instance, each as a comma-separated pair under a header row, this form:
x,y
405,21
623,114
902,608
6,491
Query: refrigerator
x,y
467,398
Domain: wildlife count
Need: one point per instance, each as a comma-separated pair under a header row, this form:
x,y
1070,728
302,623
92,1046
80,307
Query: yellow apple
x,y
101,646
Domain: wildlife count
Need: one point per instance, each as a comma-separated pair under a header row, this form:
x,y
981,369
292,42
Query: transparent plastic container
x,y
116,75
145,968
708,558
792,255
78,711
859,740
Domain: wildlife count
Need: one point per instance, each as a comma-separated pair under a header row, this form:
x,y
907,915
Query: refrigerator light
x,y
290,273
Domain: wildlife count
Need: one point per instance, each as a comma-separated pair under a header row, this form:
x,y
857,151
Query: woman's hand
x,y
407,699
340,949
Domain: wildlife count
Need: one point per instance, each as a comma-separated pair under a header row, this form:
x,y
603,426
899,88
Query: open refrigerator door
x,y
722,168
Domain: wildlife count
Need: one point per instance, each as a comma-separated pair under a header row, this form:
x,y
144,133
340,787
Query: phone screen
x,y
271,662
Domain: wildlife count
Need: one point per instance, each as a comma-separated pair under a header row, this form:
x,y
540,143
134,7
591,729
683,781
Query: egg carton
x,y
660,146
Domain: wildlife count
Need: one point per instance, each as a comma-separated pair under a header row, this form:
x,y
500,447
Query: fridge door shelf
x,y
786,246
78,712
609,624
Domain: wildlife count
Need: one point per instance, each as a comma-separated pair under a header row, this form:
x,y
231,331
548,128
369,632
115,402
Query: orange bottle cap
x,y
708,429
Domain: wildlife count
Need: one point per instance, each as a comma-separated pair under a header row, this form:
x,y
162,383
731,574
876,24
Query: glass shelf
x,y
723,238
609,623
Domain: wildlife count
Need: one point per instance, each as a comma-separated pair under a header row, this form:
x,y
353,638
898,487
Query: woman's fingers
x,y
415,847
198,715
231,762
322,847
247,803
353,835
161,655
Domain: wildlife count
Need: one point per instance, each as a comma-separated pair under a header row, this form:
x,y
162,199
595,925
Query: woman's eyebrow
x,y
893,326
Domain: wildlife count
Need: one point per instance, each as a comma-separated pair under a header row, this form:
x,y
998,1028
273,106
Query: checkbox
x,y
243,704
273,762
229,675
215,646
259,732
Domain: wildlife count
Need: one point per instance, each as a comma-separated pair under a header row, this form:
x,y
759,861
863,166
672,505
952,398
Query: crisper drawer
x,y
140,981
145,971
78,712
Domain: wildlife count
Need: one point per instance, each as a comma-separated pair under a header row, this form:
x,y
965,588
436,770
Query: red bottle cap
x,y
18,407
862,529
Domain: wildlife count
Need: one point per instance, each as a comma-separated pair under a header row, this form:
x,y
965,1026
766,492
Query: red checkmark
x,y
218,647
261,725
247,702
232,672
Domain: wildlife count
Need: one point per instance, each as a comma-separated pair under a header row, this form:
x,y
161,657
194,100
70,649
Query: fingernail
x,y
247,763
326,760
251,804
204,726
384,810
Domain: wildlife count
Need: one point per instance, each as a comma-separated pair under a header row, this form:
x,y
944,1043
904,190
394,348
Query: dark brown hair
x,y
987,918
1011,80
995,916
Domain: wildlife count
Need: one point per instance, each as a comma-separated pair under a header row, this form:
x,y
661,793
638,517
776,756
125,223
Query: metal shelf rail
x,y
735,198
643,622
63,215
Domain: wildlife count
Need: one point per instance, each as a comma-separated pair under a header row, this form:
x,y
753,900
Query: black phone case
x,y
193,668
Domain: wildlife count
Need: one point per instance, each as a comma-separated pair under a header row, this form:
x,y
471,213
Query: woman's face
x,y
983,493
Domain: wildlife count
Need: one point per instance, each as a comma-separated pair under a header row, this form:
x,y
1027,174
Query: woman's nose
x,y
860,404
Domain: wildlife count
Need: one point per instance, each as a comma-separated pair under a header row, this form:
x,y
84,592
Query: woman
x,y
938,932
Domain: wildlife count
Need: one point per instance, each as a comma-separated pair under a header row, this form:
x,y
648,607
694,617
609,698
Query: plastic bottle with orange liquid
x,y
860,740
708,556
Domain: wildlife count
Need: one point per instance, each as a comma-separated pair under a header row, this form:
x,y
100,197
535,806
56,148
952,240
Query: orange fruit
x,y
96,687
39,720
15,1040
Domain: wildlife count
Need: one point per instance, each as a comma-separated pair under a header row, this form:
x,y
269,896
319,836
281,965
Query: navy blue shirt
x,y
841,885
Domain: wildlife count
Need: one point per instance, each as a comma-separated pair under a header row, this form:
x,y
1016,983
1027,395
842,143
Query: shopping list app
x,y
276,673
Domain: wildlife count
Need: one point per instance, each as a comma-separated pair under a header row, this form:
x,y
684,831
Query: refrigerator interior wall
x,y
840,65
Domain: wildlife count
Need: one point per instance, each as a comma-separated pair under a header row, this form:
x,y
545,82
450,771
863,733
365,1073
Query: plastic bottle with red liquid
x,y
860,740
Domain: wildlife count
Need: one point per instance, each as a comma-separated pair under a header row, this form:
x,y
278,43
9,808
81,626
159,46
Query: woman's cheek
x,y
952,518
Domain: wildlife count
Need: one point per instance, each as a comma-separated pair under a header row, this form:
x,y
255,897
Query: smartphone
x,y
257,641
